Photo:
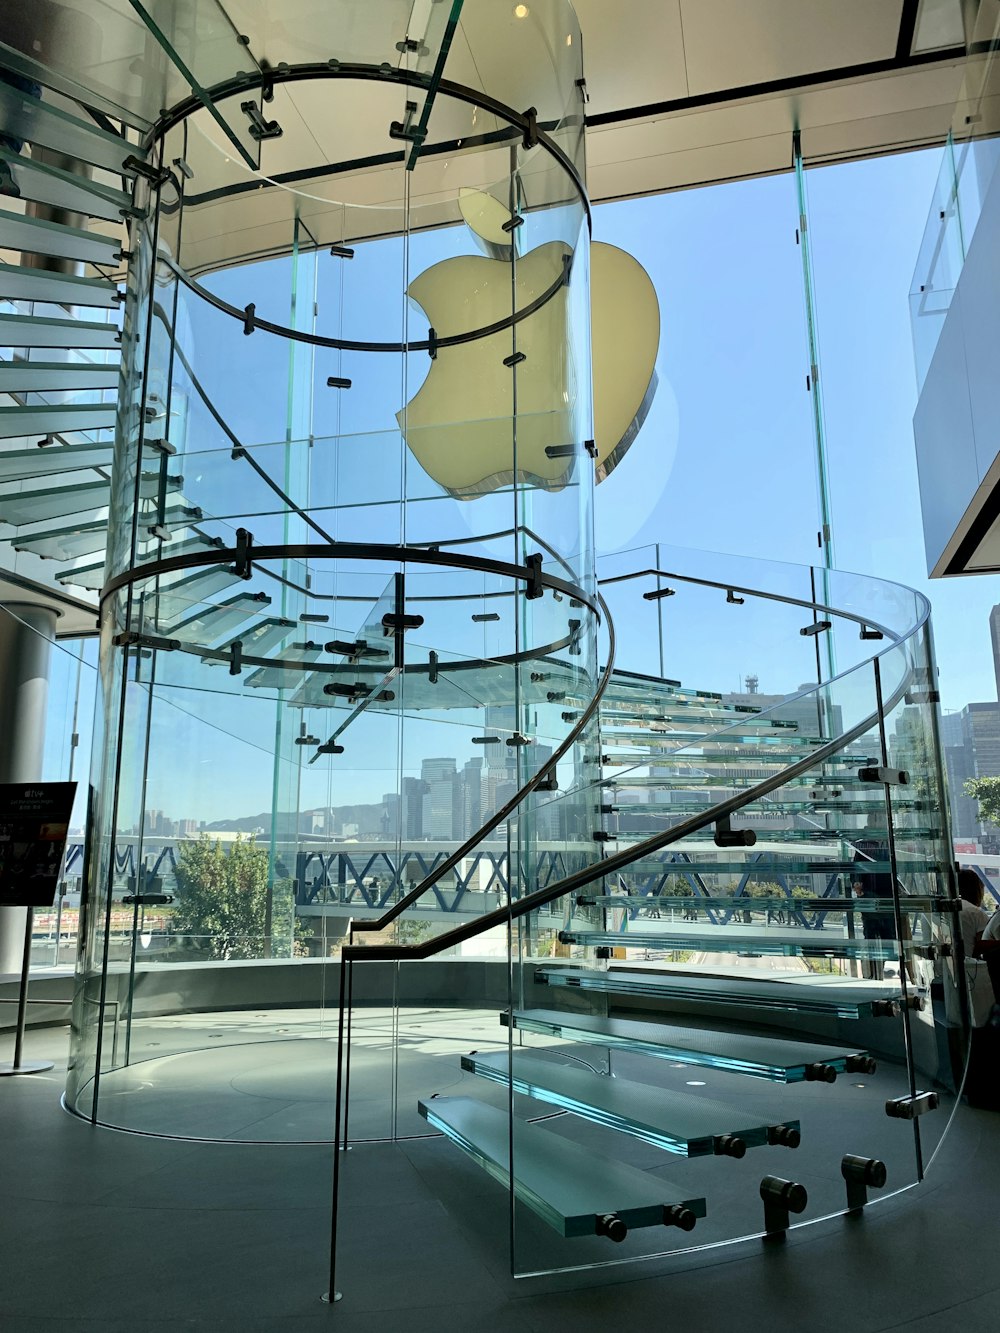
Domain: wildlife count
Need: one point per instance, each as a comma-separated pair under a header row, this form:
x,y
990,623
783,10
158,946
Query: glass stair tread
x,y
56,418
43,184
855,1000
56,376
212,623
649,740
299,657
759,754
63,501
700,938
258,640
67,543
800,834
678,1123
37,284
35,331
41,237
779,1060
568,1186
23,464
652,815
174,598
80,539
776,903
37,122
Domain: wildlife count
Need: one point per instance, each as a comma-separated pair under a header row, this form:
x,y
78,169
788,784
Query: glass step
x,y
37,122
22,464
63,501
799,835
258,640
173,599
568,1186
43,184
689,1126
36,284
213,623
40,237
56,376
776,1059
300,655
774,804
857,1000
681,737
759,755
931,906
67,543
56,418
34,331
80,539
720,939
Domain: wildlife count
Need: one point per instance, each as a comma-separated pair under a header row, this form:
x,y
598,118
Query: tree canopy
x,y
987,792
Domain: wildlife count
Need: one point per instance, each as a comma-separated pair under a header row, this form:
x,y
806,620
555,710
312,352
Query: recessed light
x,y
696,1083
859,1085
521,11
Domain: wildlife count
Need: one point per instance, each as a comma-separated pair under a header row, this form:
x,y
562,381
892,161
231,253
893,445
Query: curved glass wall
x,y
350,575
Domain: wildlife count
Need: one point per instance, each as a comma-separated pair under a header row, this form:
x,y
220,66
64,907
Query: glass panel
x,y
200,39
63,189
56,418
30,331
25,284
51,238
26,118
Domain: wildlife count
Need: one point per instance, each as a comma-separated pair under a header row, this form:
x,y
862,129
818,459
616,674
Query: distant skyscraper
x,y
995,640
442,800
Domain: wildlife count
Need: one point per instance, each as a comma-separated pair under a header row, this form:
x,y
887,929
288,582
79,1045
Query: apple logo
x,y
462,426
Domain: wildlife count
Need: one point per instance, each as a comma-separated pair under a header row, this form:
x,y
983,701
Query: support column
x,y
26,634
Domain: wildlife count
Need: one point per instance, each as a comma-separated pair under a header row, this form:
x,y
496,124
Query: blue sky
x,y
725,461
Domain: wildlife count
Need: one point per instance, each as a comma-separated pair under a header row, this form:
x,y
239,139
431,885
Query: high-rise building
x,y
995,643
441,801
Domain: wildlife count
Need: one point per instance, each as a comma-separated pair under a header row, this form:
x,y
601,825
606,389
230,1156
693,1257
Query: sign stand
x,y
19,1066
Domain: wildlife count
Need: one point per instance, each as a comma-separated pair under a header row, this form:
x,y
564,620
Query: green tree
x,y
223,897
987,792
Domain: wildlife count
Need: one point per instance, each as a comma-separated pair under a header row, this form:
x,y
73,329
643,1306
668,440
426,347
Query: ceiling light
x,y
520,11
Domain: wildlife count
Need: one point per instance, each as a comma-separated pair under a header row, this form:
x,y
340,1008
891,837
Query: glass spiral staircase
x,y
760,893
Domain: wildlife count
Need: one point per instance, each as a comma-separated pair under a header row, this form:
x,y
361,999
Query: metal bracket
x,y
329,747
732,599
248,318
530,139
817,627
432,674
393,625
259,127
341,251
725,836
514,359
236,658
405,129
868,633
591,447
518,740
534,589
908,1108
574,637
243,568
560,450
781,1197
893,777
337,382
861,1174
134,166
658,594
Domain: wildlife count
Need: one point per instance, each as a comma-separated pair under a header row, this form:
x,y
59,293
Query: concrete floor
x,y
107,1231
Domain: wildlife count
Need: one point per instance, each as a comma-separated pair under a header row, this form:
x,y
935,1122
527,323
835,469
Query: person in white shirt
x,y
973,920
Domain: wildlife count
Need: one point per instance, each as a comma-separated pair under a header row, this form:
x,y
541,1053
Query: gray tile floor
x,y
107,1231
